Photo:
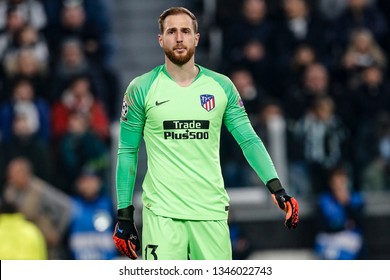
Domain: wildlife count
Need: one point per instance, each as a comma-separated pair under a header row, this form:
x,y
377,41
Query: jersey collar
x,y
164,69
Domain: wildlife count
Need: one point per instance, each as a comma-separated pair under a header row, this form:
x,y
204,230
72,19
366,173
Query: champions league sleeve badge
x,y
125,109
207,101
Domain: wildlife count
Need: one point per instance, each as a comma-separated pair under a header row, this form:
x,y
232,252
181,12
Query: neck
x,y
184,74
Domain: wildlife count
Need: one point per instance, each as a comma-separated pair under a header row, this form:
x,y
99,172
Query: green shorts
x,y
174,239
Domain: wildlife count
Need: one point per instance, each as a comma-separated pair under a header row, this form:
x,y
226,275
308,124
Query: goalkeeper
x,y
179,108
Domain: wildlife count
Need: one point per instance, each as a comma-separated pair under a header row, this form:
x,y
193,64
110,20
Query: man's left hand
x,y
289,205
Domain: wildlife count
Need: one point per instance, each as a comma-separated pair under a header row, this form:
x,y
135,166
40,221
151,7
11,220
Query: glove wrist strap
x,y
274,186
126,214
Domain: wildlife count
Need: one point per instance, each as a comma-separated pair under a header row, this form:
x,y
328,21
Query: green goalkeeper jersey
x,y
181,128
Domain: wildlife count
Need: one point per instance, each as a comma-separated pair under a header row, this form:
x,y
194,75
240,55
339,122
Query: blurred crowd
x,y
58,92
313,76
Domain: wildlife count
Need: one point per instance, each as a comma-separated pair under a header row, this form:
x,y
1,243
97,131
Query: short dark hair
x,y
177,11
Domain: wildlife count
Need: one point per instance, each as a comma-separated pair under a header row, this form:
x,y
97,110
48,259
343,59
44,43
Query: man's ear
x,y
197,36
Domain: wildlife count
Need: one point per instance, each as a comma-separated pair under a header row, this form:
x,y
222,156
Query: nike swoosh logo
x,y
120,230
162,102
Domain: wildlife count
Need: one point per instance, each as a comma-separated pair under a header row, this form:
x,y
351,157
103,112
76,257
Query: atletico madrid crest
x,y
207,101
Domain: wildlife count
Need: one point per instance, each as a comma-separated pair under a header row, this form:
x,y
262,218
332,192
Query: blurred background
x,y
313,76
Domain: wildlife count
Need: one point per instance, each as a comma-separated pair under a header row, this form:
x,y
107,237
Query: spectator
x,y
357,15
23,95
78,97
80,148
24,142
371,102
304,55
315,82
14,22
96,12
27,66
41,203
93,13
30,243
92,222
73,23
298,24
251,94
371,98
96,45
319,141
28,38
246,41
72,63
362,51
88,23
318,80
32,11
341,217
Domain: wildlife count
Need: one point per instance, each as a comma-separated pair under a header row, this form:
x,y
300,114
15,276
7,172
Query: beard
x,y
179,59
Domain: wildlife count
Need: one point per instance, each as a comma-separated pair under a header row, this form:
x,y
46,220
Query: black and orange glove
x,y
125,234
285,202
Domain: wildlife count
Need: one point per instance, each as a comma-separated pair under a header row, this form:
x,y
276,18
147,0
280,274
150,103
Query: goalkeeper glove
x,y
285,202
125,234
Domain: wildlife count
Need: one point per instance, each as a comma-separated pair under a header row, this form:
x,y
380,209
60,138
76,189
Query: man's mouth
x,y
180,49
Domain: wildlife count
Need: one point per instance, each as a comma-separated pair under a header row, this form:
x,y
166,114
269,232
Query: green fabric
x,y
184,178
173,239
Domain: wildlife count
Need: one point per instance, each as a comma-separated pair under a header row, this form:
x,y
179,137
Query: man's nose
x,y
179,37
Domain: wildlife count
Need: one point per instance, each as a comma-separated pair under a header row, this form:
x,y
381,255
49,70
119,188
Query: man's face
x,y
18,175
178,39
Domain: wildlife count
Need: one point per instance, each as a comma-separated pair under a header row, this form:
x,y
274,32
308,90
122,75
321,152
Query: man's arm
x,y
125,234
131,126
259,159
237,122
132,121
126,169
